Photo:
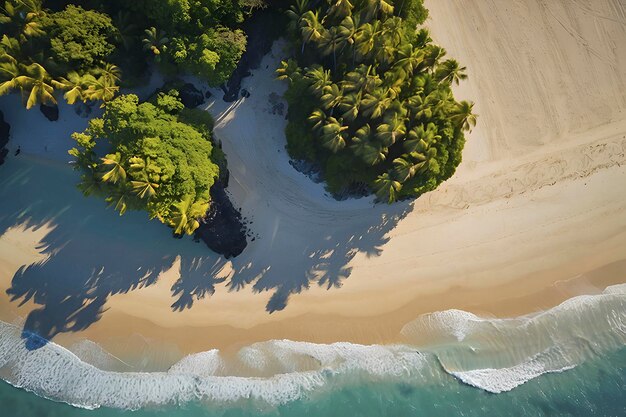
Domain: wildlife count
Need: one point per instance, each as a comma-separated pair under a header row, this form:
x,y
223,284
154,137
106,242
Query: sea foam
x,y
492,354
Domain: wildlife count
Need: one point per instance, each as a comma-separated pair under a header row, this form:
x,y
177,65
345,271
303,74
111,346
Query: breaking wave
x,y
492,354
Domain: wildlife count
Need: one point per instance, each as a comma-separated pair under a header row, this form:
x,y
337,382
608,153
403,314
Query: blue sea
x,y
595,388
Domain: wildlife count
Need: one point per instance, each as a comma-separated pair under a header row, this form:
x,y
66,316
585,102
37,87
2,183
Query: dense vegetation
x,y
41,51
370,97
85,49
160,159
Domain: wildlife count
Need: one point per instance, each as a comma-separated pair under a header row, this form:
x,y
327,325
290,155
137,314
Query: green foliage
x,y
158,160
370,97
79,39
41,52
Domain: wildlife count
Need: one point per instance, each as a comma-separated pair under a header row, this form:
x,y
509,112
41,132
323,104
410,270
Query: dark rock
x,y
190,96
4,138
245,93
222,229
262,28
208,94
51,112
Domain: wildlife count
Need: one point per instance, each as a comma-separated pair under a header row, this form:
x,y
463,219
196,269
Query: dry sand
x,y
535,214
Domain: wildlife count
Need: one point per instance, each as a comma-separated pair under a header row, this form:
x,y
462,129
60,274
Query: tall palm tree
x,y
349,106
295,13
366,146
391,131
142,184
112,170
420,139
387,187
332,97
365,39
100,89
340,8
74,86
287,70
374,105
319,78
450,71
311,28
405,168
155,41
318,118
185,215
22,17
111,73
409,58
35,84
332,135
463,115
433,54
330,42
373,7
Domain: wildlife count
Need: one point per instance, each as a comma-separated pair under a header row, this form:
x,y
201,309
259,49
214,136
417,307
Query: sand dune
x,y
535,214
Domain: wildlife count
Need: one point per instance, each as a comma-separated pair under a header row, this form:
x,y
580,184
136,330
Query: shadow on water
x,y
93,254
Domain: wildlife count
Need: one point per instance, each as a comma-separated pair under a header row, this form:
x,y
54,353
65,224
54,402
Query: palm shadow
x,y
92,254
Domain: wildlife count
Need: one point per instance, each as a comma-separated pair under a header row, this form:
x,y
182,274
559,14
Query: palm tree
x,y
361,80
375,6
101,88
330,42
451,71
319,79
405,168
387,187
374,105
409,58
295,13
287,70
318,118
35,86
120,197
366,147
332,135
420,139
142,184
391,131
185,215
332,97
311,28
422,38
112,169
365,39
340,8
155,42
463,116
433,53
110,73
393,30
349,106
24,16
74,85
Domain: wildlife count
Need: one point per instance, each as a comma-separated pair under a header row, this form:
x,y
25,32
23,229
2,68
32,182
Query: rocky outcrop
x,y
190,96
222,229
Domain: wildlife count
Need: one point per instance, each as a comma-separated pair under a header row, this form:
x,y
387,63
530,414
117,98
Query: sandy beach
x,y
534,215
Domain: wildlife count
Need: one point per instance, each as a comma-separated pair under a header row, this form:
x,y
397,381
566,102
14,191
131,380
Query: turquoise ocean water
x,y
595,388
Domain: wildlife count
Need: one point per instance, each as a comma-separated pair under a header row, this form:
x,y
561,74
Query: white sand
x,y
536,207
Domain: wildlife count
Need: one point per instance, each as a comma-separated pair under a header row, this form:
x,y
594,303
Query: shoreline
x,y
523,225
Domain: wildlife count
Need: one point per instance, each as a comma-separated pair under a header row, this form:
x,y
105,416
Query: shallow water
x,y
594,388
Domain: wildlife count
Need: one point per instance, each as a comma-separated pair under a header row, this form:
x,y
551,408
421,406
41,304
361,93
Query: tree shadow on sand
x,y
93,254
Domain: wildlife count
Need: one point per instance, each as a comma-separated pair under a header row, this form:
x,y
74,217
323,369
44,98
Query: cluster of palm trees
x,y
24,65
381,93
